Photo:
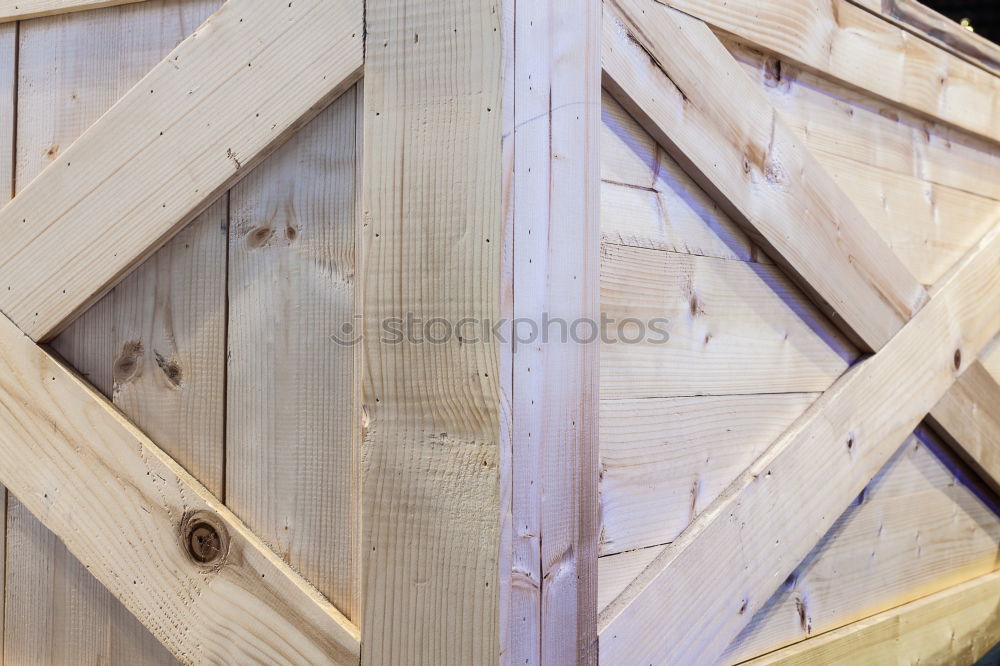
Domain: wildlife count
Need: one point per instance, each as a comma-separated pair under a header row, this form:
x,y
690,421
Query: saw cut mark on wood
x,y
197,123
206,587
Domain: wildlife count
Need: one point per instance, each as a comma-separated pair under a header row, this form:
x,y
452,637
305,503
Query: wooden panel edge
x,y
16,10
554,196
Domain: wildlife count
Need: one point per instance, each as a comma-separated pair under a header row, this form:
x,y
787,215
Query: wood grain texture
x,y
16,10
664,460
167,316
834,119
991,358
781,506
719,315
290,461
956,626
671,73
942,32
127,525
648,201
432,180
921,526
233,71
931,193
555,200
8,105
855,47
968,416
918,527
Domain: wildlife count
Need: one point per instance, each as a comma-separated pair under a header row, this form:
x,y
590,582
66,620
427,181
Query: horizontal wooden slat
x,y
671,73
780,508
664,460
122,506
851,45
956,626
14,10
968,416
719,314
199,121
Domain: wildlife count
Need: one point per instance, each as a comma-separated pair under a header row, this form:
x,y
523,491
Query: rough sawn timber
x,y
198,122
783,504
122,507
684,87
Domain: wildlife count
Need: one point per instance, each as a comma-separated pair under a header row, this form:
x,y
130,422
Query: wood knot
x,y
128,363
958,359
205,538
171,369
259,237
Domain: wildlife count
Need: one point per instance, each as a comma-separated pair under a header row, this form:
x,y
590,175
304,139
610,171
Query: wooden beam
x,y
553,192
968,417
199,121
698,594
431,250
941,31
178,559
957,625
16,10
857,48
681,84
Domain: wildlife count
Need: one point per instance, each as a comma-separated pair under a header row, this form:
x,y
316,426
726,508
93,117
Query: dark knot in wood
x,y
205,538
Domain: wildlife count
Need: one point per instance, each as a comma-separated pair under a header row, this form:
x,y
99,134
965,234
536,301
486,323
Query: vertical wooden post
x,y
553,195
432,239
480,453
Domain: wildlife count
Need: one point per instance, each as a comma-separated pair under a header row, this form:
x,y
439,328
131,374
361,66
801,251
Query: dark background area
x,y
983,14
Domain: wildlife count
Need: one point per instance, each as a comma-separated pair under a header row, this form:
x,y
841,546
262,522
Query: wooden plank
x,y
921,526
833,119
916,529
8,105
664,460
16,10
857,48
956,626
991,358
55,260
555,197
780,507
648,201
928,226
432,180
968,416
290,405
171,309
718,314
943,32
135,523
661,65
